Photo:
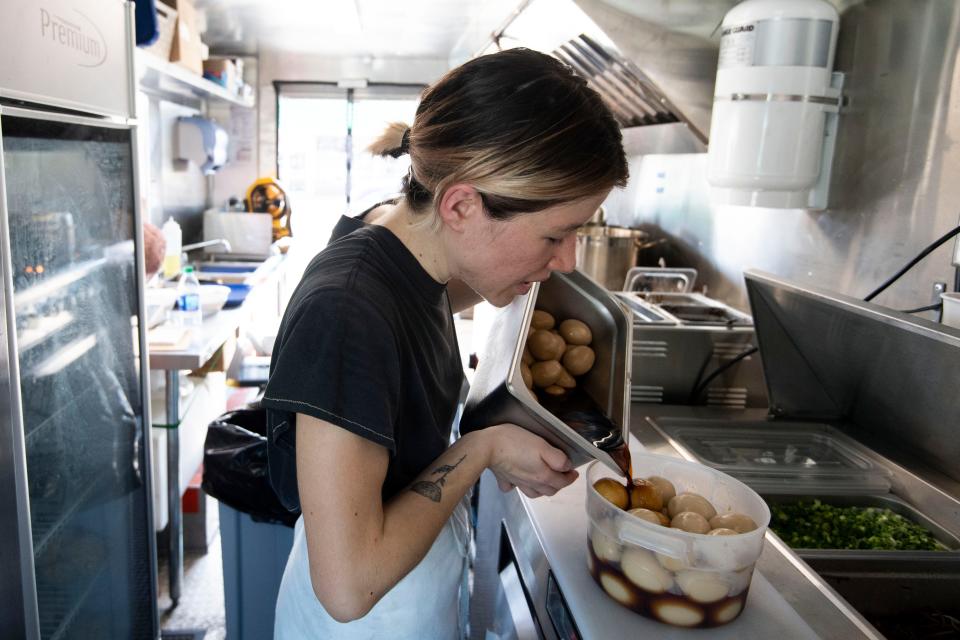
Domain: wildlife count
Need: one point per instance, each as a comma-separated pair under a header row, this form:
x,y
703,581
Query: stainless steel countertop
x,y
204,342
215,329
787,598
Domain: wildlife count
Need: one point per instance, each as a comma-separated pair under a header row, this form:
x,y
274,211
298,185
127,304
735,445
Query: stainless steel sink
x,y
233,270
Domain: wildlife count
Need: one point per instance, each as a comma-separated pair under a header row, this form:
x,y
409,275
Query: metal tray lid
x,y
498,394
784,458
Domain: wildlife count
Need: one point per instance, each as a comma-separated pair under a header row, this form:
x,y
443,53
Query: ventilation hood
x,y
627,91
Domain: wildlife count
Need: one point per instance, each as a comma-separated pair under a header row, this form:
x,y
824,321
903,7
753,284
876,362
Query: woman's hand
x,y
519,458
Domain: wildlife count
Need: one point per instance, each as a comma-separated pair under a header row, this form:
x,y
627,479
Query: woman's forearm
x,y
379,550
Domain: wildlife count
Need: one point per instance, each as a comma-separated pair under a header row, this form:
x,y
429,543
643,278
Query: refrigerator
x,y
77,546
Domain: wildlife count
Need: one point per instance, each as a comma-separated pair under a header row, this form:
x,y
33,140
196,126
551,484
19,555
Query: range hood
x,y
627,91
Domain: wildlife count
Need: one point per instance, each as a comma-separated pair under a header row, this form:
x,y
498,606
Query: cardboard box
x,y
187,49
167,25
224,72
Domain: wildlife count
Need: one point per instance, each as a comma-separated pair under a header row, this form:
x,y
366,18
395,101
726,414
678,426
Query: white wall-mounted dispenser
x,y
202,142
776,104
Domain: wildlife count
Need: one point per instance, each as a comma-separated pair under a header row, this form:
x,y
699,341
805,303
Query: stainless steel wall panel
x,y
830,356
894,186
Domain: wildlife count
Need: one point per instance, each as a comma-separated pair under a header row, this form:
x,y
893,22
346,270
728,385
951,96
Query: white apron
x,y
429,603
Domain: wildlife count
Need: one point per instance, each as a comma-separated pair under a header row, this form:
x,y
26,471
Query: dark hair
x,y
519,126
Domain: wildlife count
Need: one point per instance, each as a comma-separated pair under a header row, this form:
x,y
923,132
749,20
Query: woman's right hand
x,y
524,460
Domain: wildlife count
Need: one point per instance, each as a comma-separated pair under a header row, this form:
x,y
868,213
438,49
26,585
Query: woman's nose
x,y
564,259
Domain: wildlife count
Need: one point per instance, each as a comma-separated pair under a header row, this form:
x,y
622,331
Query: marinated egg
x,y
677,612
670,564
689,502
576,332
702,586
739,522
543,320
527,375
721,532
690,521
546,373
727,612
545,346
645,495
606,548
667,490
613,491
527,357
646,514
643,570
578,359
554,390
617,588
566,380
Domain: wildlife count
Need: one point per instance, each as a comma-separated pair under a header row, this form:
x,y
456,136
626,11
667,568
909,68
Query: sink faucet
x,y
208,243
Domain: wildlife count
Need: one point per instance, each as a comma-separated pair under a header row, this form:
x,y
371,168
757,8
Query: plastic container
x,y
673,576
810,458
213,297
189,313
173,237
951,309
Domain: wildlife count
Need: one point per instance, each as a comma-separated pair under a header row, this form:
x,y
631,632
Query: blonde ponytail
x,y
390,141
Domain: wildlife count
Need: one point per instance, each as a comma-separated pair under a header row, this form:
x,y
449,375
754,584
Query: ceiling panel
x,y
378,28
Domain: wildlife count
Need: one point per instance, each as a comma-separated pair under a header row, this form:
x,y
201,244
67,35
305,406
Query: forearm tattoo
x,y
432,489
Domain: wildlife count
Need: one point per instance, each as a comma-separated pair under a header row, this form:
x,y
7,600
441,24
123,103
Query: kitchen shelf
x,y
47,287
159,76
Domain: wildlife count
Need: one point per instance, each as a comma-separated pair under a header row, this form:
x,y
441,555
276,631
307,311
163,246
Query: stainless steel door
x,y
18,606
74,337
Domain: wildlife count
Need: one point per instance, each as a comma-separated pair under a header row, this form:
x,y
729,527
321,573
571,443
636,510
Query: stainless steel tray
x,y
887,501
498,394
888,583
660,279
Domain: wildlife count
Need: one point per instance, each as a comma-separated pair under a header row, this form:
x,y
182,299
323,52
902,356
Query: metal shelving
x,y
159,76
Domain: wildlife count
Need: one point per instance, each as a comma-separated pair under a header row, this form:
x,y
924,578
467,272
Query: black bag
x,y
235,469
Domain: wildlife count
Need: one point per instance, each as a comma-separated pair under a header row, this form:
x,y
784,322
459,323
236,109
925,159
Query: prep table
x,y
544,562
215,331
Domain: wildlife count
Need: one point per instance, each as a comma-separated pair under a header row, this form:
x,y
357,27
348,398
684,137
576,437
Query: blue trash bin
x,y
254,557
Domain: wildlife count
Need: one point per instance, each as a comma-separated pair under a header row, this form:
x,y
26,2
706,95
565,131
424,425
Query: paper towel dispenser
x,y
202,142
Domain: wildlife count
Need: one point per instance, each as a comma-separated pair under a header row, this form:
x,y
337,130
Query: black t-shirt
x,y
367,343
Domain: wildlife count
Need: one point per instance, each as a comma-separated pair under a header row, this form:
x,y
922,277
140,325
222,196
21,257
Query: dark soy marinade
x,y
580,412
658,606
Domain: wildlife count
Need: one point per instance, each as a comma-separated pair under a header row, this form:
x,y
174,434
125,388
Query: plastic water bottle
x,y
173,237
188,299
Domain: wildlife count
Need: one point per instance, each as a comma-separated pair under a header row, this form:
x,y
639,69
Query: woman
x,y
510,153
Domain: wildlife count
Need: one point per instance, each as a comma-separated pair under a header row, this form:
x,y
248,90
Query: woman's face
x,y
502,259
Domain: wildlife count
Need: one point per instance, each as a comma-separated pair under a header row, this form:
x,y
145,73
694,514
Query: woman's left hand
x,y
524,460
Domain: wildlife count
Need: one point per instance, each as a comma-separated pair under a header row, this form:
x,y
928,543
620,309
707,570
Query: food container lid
x,y
768,457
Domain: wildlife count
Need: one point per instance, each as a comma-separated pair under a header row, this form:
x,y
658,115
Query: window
x,y
322,135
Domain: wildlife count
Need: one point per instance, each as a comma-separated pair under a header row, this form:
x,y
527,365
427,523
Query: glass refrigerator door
x,y
70,209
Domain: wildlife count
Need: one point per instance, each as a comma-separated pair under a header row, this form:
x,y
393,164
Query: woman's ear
x,y
460,204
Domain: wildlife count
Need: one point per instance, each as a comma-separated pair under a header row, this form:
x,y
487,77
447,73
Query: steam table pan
x,y
498,394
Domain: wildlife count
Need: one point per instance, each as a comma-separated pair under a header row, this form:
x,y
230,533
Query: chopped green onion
x,y
815,525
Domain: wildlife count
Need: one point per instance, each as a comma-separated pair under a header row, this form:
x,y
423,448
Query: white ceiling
x,y
351,28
